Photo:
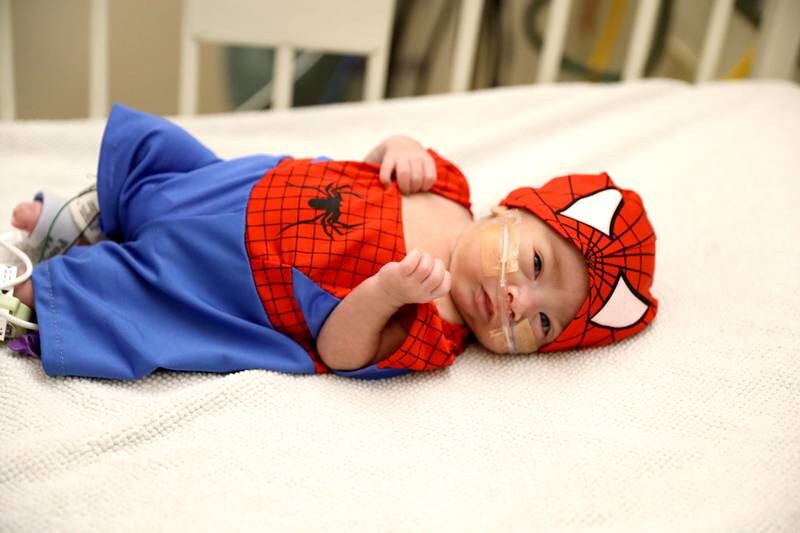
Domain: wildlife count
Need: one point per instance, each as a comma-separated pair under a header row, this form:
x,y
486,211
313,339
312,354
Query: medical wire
x,y
55,218
26,261
20,279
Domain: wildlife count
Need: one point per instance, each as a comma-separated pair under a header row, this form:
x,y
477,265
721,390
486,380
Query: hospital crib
x,y
338,27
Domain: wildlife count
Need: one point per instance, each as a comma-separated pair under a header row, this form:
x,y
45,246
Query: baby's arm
x,y
361,330
412,165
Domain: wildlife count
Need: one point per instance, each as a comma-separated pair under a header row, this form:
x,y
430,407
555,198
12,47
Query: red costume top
x,y
337,224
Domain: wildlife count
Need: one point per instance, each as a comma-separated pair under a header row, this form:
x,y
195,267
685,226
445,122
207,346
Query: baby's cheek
x,y
526,341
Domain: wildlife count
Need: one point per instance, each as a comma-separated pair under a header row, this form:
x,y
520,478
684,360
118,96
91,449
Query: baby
x,y
367,269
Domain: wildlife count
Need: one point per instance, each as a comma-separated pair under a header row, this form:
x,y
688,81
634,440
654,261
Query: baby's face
x,y
548,289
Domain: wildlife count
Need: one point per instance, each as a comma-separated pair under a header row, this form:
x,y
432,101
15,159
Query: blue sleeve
x,y
373,372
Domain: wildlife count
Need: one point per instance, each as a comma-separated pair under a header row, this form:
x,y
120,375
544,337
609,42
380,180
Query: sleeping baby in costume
x,y
371,269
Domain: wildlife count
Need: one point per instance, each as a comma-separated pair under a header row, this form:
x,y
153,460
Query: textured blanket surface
x,y
693,425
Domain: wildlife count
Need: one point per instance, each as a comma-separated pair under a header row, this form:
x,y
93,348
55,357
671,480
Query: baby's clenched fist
x,y
417,279
407,160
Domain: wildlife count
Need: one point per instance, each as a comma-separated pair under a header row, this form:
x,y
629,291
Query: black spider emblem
x,y
330,205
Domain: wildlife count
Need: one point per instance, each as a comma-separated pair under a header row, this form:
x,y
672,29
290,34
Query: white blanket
x,y
693,425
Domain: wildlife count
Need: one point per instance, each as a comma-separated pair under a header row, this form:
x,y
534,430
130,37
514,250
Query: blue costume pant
x,y
173,287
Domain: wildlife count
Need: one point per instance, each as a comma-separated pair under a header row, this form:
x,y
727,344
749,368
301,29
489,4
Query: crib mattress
x,y
692,425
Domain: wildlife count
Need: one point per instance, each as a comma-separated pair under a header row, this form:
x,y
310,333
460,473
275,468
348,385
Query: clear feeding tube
x,y
500,257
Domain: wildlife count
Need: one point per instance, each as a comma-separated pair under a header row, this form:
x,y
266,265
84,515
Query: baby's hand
x,y
412,165
417,279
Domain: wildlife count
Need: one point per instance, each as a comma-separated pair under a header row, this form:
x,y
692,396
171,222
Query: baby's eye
x,y
545,323
537,264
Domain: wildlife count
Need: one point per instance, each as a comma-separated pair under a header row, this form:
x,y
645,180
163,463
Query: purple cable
x,y
27,344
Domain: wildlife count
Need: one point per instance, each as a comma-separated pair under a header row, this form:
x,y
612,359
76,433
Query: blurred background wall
x,y
51,52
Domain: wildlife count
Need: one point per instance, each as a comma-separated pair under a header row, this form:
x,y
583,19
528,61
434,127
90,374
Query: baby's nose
x,y
523,300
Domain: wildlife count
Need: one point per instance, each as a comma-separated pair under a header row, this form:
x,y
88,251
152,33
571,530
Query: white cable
x,y
20,279
25,260
17,322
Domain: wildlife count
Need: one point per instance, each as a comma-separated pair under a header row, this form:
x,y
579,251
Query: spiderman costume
x,y
222,266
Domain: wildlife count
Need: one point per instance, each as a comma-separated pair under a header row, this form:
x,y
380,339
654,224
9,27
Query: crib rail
x,y
776,49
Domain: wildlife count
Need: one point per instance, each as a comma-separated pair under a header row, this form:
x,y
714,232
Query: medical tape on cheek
x,y
499,242
500,257
525,341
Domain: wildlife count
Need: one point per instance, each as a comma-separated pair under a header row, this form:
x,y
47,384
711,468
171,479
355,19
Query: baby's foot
x,y
26,215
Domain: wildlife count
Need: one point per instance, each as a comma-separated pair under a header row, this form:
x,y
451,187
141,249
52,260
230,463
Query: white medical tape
x,y
85,209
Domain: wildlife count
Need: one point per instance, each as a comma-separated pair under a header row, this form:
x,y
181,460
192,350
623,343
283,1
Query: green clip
x,y
16,309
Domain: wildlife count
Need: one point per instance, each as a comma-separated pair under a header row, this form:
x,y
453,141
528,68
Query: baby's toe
x,y
26,215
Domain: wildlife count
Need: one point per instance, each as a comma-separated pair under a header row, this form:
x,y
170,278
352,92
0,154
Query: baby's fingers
x,y
387,167
436,278
402,173
424,268
410,262
429,171
444,287
417,175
